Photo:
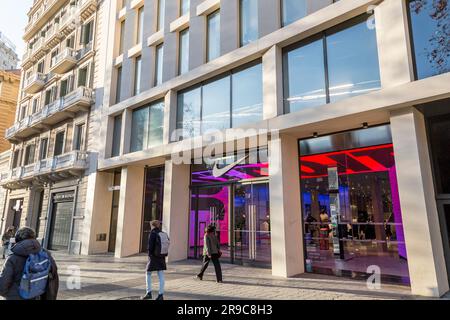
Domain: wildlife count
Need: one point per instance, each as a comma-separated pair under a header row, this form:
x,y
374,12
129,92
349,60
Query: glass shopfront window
x,y
237,203
147,127
351,206
233,100
430,30
153,201
337,64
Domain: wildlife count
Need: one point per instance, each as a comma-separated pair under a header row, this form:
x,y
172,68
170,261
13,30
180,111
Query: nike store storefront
x,y
232,193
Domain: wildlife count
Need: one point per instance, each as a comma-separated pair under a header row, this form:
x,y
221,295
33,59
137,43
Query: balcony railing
x,y
34,83
79,99
72,161
64,61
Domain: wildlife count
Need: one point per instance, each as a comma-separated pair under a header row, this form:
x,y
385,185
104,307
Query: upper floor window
x,y
213,22
117,133
337,64
137,75
122,37
147,127
292,10
119,84
183,54
87,33
59,143
140,25
161,12
229,101
29,154
159,64
184,7
249,30
79,137
430,24
43,149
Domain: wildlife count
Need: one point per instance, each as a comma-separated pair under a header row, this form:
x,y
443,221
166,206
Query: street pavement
x,y
104,277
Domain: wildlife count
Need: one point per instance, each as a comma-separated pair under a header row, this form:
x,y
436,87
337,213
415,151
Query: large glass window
x,y
338,64
351,206
183,56
430,24
232,100
292,10
305,77
353,67
213,36
216,105
249,30
147,127
247,96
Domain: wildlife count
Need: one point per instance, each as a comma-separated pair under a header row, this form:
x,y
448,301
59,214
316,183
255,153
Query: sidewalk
x,y
107,278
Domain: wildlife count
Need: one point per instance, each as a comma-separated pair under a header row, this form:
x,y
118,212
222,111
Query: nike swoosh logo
x,y
219,172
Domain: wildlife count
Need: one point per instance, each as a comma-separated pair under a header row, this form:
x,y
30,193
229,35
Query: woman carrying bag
x,y
211,252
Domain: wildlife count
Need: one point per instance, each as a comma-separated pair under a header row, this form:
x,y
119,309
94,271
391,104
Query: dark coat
x,y
155,263
13,268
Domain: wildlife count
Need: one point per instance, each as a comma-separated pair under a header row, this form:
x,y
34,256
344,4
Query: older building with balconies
x,y
51,155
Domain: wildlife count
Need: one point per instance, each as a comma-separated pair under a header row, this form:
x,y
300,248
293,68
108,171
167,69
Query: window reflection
x,y
430,22
147,127
293,10
249,21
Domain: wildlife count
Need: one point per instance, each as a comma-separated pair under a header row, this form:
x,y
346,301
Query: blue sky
x,y
13,18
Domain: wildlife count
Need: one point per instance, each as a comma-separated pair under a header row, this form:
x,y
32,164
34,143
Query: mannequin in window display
x,y
324,230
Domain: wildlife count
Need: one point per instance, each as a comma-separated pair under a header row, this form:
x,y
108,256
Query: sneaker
x,y
148,296
199,278
160,297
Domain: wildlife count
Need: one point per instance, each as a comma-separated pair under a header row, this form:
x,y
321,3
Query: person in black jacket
x,y
155,263
11,274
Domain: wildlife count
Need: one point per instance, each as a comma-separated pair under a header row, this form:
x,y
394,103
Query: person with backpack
x,y
10,232
211,252
158,250
30,272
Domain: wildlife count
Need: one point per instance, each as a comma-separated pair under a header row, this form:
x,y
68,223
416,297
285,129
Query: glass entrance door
x,y
241,215
252,224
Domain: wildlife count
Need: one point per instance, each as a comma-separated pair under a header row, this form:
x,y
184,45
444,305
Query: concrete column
x,y
229,26
97,216
129,221
424,246
272,83
394,47
176,209
285,207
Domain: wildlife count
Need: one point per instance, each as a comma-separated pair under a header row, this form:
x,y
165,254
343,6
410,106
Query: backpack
x,y
35,276
163,244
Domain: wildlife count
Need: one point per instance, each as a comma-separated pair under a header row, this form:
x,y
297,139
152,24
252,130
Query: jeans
x,y
162,282
217,267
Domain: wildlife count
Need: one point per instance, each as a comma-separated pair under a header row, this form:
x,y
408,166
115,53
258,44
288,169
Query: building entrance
x,y
237,203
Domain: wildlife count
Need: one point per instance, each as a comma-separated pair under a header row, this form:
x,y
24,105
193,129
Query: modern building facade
x,y
52,155
9,92
8,56
335,154
351,179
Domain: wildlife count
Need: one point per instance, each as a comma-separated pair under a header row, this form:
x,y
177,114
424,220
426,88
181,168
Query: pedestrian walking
x,y
158,250
10,232
30,272
211,252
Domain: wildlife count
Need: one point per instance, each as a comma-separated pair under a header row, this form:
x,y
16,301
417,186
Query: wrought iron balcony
x,y
78,100
64,61
49,170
